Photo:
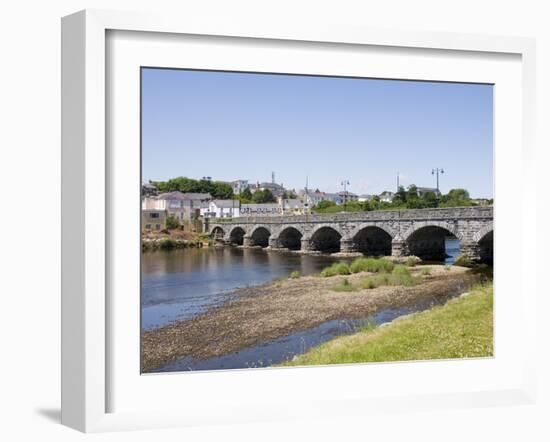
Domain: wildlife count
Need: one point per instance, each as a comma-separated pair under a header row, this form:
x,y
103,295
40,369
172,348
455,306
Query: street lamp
x,y
436,172
345,183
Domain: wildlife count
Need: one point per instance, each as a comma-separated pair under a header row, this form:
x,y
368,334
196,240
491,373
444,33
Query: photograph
x,y
292,220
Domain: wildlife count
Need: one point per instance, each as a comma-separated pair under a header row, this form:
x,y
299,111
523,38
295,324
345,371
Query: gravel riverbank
x,y
260,314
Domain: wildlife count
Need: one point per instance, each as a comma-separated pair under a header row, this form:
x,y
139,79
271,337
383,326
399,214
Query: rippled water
x,y
182,283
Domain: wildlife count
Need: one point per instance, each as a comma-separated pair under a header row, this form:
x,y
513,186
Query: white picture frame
x,y
87,195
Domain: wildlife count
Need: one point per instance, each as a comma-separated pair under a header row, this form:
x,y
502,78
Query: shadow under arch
x,y
372,241
428,242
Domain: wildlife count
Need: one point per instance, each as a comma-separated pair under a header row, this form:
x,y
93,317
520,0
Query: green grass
x,y
345,286
373,265
359,265
295,274
399,276
426,271
410,262
338,268
459,329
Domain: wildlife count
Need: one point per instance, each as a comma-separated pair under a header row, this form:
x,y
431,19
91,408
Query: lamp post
x,y
436,172
345,183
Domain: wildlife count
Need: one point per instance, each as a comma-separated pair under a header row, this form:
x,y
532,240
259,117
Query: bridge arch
x,y
260,236
325,238
488,228
484,240
290,238
217,233
372,240
236,236
427,239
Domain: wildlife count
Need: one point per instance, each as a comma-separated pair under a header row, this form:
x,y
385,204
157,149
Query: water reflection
x,y
180,284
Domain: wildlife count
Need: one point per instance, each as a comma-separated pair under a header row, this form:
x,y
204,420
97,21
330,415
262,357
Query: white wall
x,y
30,163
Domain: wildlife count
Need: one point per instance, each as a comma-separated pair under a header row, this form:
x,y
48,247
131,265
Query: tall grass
x,y
399,276
345,286
371,265
338,268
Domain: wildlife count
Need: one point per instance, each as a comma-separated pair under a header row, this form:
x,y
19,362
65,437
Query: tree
x,y
324,204
400,196
263,196
456,198
430,199
172,222
245,197
217,189
289,194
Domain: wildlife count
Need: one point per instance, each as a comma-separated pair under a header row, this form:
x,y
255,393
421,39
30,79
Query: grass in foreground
x,y
459,329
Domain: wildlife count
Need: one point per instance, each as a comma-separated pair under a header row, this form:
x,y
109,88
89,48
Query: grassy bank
x,y
172,239
461,328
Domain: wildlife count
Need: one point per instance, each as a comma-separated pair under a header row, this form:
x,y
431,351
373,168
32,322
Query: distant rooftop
x,y
226,204
180,196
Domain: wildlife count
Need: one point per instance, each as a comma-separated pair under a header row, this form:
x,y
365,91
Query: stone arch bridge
x,y
420,232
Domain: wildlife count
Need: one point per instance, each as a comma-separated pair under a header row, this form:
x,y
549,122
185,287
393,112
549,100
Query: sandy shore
x,y
270,311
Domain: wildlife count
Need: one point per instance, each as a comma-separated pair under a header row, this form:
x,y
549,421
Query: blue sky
x,y
244,126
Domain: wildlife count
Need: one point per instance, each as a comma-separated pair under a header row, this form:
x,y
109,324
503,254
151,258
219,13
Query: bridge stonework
x,y
399,233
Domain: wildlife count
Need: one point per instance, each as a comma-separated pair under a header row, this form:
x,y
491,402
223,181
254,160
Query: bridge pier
x,y
306,245
274,243
399,248
471,250
248,241
346,246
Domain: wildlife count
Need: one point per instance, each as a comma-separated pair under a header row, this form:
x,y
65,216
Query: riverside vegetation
x,y
462,328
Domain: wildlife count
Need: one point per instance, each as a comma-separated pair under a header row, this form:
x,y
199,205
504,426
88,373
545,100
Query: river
x,y
180,284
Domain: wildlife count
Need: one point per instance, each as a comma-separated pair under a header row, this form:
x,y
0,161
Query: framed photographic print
x,y
249,213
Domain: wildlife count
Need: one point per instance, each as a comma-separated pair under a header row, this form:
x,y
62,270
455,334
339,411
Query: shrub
x,y
386,265
426,271
295,274
344,286
411,261
463,261
167,244
448,267
359,265
371,265
338,268
369,283
401,276
172,222
400,270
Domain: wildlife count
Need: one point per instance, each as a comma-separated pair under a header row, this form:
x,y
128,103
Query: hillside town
x,y
189,210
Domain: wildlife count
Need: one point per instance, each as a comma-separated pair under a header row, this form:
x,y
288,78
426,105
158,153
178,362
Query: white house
x,y
292,206
387,196
221,209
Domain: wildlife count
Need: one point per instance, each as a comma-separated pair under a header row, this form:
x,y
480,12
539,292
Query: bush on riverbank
x,y
338,268
463,261
462,328
373,265
362,264
168,244
295,274
399,276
